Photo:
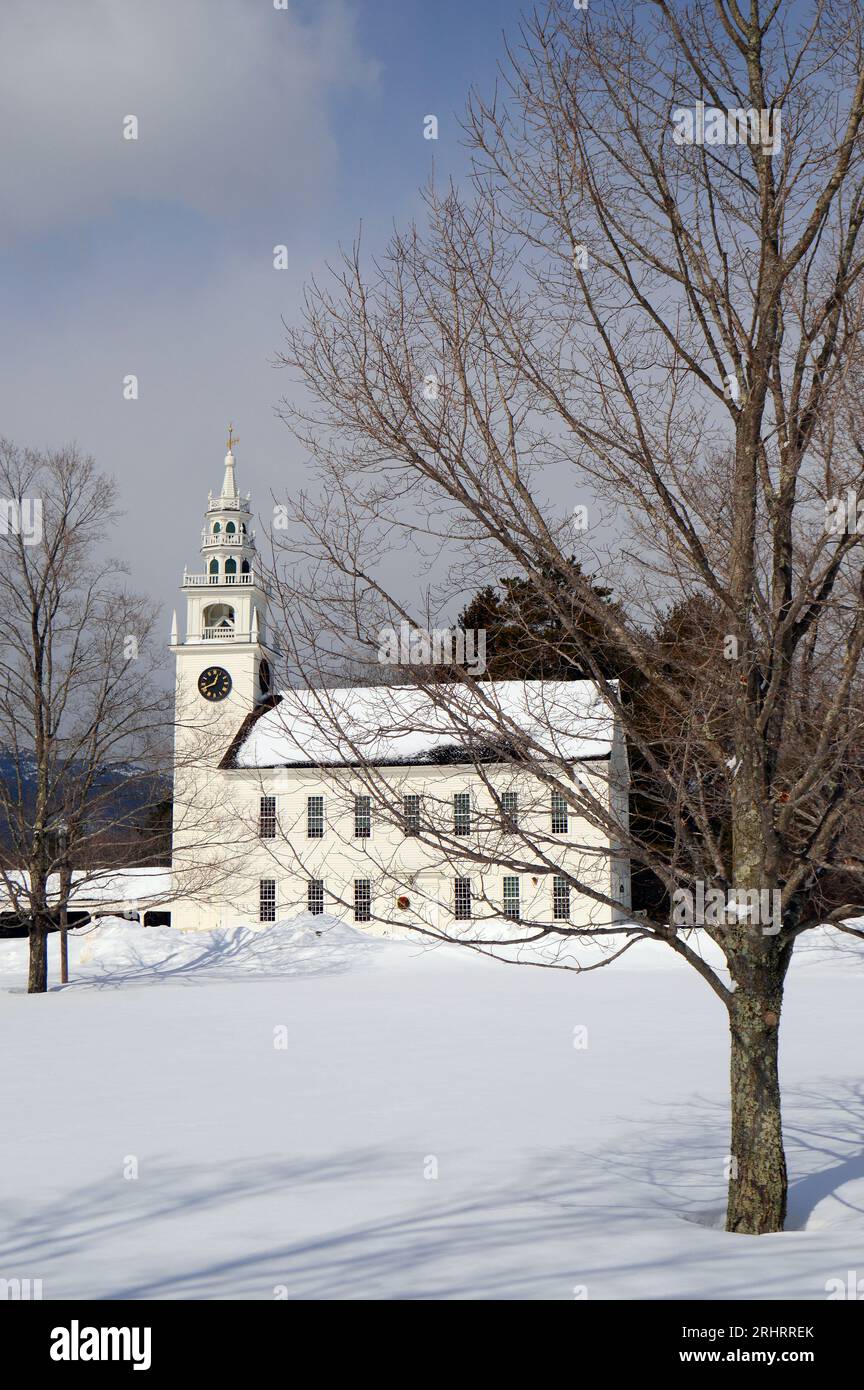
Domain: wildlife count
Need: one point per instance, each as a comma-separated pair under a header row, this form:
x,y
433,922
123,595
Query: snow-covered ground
x,y
341,1117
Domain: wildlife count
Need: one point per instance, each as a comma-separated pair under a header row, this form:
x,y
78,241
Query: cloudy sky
x,y
257,126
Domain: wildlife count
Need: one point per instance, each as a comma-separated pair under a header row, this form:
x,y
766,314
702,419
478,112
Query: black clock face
x,y
264,675
214,683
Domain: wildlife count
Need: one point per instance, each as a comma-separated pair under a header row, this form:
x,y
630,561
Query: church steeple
x,y
226,605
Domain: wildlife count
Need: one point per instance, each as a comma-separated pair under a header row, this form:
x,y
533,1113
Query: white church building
x,y
373,804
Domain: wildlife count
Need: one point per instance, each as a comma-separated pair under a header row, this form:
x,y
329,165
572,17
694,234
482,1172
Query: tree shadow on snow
x,y
681,1154
231,955
364,1224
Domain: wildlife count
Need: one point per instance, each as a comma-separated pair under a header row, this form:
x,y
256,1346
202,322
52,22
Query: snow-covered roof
x,y
114,885
100,885
390,725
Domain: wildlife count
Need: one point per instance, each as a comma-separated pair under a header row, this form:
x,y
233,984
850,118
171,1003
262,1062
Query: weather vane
x,y
232,438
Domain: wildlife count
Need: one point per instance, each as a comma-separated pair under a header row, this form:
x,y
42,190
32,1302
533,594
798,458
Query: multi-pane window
x,y
267,900
509,810
559,814
314,817
511,897
362,817
315,896
560,899
411,814
362,900
462,899
267,818
462,813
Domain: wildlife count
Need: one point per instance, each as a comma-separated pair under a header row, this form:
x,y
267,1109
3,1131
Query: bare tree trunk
x,y
37,980
757,1181
65,883
64,947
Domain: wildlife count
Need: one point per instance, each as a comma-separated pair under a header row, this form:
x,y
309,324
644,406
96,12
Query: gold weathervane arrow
x,y
232,439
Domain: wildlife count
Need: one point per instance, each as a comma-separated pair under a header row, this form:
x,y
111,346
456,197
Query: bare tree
x,y
83,719
651,299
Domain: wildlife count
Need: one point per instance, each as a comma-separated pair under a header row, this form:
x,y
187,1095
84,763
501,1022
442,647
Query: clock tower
x,y
224,669
224,661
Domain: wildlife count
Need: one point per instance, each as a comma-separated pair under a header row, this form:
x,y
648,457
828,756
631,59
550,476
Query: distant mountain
x,y
124,797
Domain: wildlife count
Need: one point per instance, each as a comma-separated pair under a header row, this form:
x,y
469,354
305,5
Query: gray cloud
x,y
202,358
231,95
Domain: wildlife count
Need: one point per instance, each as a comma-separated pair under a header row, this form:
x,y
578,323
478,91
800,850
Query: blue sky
x,y
257,127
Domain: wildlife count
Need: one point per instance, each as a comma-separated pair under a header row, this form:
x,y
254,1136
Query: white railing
x,y
222,634
227,538
229,504
201,581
